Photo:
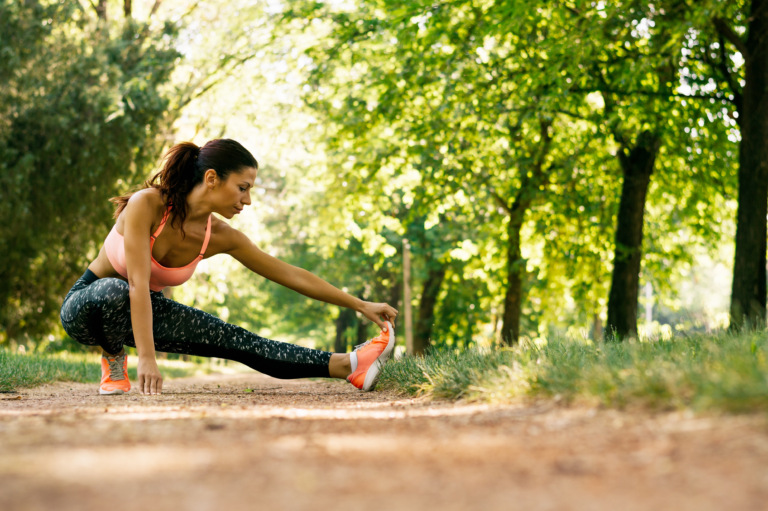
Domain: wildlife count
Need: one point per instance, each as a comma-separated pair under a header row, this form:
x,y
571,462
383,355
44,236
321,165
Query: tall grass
x,y
721,372
28,370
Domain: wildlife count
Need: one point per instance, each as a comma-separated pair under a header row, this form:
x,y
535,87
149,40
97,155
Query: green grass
x,y
720,372
28,370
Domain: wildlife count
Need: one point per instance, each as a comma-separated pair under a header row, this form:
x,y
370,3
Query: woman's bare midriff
x,y
102,267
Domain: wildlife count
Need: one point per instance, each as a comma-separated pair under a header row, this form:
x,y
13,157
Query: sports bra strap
x,y
165,219
207,236
162,224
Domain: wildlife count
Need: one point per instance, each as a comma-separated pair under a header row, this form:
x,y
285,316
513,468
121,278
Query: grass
x,y
720,372
28,370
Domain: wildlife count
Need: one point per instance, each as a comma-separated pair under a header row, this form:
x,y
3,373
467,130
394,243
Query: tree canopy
x,y
545,162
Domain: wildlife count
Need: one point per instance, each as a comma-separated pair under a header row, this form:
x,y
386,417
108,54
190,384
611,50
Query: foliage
x,y
80,102
444,103
715,372
425,123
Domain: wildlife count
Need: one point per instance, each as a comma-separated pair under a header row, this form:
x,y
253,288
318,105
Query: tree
x,y
79,102
453,111
443,101
634,64
748,295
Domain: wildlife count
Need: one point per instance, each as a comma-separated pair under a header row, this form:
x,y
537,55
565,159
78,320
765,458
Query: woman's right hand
x,y
379,313
150,381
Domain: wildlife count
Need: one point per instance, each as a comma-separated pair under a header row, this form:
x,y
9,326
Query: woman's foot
x,y
368,359
114,374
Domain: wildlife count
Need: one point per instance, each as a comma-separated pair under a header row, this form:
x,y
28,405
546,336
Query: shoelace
x,y
366,343
116,368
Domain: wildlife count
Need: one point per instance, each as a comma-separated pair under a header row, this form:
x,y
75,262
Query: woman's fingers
x,y
380,313
389,313
156,385
150,385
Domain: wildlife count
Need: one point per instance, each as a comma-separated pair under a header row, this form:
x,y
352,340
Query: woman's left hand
x,y
379,313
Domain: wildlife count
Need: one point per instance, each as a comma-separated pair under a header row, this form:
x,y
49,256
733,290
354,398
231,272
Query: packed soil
x,y
252,442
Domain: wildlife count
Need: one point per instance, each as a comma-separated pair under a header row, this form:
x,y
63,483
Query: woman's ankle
x,y
339,366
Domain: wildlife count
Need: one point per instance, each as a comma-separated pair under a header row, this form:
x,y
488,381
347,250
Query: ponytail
x,y
183,168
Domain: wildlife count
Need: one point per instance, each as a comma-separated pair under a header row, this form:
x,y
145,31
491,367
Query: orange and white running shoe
x,y
368,358
114,375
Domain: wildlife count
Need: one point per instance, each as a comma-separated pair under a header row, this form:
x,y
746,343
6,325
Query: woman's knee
x,y
111,293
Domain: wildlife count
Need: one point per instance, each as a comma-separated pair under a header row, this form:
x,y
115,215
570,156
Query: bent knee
x,y
112,292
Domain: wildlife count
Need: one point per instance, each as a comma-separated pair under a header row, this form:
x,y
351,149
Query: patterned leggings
x,y
97,312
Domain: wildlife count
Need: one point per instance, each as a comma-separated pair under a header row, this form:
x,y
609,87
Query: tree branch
x,y
725,30
155,7
501,202
545,138
640,92
195,92
732,84
570,114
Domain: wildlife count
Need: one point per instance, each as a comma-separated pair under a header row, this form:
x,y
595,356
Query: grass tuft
x,y
28,370
718,372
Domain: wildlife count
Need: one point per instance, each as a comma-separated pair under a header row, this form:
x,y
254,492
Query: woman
x,y
160,235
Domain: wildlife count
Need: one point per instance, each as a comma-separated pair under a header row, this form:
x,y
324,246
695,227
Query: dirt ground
x,y
252,442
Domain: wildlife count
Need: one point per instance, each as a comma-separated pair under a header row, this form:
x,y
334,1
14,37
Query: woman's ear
x,y
210,178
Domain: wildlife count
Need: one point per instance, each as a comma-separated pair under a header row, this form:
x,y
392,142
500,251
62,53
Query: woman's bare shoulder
x,y
148,197
224,237
147,205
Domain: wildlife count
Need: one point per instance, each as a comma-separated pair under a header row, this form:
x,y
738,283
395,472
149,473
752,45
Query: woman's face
x,y
234,193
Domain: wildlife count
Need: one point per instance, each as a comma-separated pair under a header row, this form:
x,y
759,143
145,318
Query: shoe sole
x,y
111,392
372,376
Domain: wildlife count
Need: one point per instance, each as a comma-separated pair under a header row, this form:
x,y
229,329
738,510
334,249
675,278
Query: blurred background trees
x,y
560,168
82,102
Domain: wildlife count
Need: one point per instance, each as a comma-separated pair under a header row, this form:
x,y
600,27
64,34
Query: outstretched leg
x,y
178,328
97,312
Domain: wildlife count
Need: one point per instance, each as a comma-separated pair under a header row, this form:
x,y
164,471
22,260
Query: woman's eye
x,y
242,188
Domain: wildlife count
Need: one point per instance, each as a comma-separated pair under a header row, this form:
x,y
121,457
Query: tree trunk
x,y
396,294
637,167
513,298
101,10
533,179
748,292
597,327
362,330
127,8
343,321
426,319
407,298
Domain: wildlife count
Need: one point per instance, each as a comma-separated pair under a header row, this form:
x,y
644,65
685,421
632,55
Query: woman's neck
x,y
198,208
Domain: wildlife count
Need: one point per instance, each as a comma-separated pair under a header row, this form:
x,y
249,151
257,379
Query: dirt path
x,y
210,444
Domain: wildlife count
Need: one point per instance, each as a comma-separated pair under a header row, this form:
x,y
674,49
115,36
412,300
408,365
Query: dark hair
x,y
184,167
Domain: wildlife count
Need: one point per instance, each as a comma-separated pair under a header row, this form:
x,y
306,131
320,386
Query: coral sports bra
x,y
160,276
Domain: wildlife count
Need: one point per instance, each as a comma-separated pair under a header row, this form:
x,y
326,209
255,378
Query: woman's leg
x,y
178,328
98,313
339,366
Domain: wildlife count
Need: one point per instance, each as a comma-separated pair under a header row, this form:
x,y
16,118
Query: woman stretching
x,y
160,235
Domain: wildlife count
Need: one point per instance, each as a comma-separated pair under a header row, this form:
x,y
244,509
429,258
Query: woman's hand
x,y
379,313
150,379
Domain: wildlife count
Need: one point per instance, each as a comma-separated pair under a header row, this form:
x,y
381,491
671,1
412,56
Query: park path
x,y
249,442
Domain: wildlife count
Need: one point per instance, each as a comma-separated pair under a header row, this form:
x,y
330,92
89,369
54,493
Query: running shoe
x,y
371,357
114,375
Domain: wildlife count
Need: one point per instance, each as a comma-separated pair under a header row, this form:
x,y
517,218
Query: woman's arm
x,y
138,217
244,250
